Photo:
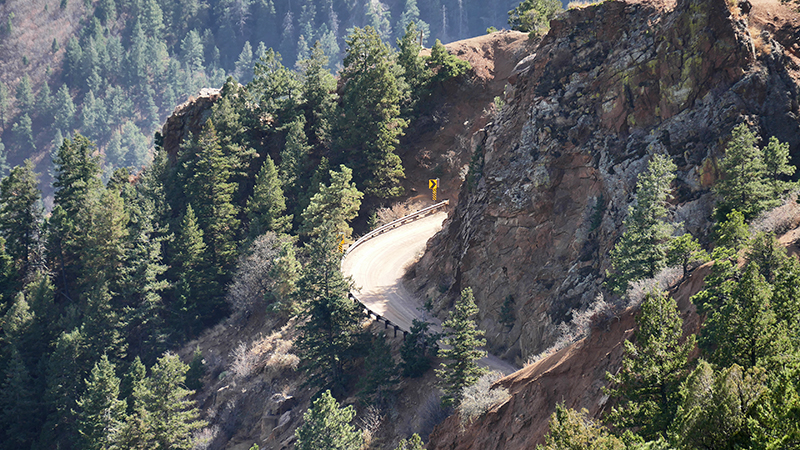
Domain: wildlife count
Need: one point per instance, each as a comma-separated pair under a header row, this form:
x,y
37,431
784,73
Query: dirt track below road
x,y
377,267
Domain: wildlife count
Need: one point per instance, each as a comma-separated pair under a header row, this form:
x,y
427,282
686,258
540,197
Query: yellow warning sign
x,y
433,184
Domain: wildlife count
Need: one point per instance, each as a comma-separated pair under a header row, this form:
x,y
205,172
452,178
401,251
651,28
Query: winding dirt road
x,y
377,267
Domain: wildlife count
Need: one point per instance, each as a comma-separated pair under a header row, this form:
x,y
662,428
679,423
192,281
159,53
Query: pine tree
x,y
102,240
329,333
275,88
446,65
411,15
381,372
22,131
192,52
415,72
25,98
412,443
244,64
743,185
418,349
652,369
641,251
267,205
319,92
719,409
190,260
18,407
21,215
370,124
194,375
44,101
64,109
327,426
460,349
684,251
209,190
294,159
4,104
101,411
573,430
742,329
333,206
776,160
533,16
65,375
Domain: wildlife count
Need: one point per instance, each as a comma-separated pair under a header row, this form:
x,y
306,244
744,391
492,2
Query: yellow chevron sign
x,y
433,184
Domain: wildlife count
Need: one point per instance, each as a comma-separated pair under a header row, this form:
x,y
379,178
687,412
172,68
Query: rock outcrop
x,y
188,117
609,85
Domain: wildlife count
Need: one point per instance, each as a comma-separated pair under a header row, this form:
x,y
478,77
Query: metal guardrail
x,y
378,231
396,223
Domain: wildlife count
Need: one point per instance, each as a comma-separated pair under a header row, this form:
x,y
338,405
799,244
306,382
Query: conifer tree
x,y
103,240
333,206
412,443
21,214
267,205
411,15
742,328
18,406
209,190
381,375
319,92
294,159
44,101
641,251
65,375
101,411
192,52
652,369
329,333
244,64
4,104
25,98
22,131
776,160
64,110
460,349
418,349
327,426
191,292
684,251
415,72
743,185
574,430
275,88
370,124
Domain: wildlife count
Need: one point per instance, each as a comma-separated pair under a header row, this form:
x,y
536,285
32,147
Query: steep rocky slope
x,y
609,85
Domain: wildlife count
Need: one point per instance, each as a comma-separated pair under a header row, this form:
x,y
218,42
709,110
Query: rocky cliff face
x,y
609,85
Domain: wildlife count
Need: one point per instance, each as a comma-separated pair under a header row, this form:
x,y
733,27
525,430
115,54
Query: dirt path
x,y
377,267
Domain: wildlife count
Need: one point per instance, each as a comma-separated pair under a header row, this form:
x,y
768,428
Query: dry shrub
x,y
370,423
664,279
244,361
202,439
480,397
432,413
780,219
578,4
397,211
760,40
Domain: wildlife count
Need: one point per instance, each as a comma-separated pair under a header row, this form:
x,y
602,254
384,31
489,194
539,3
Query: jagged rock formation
x,y
609,85
189,117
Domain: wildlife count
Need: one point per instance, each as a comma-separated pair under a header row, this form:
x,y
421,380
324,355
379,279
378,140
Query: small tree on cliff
x,y
460,349
642,249
326,426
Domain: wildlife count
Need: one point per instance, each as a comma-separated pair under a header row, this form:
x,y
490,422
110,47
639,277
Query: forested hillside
x,y
113,69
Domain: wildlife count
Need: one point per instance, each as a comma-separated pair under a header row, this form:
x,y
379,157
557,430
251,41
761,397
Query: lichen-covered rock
x,y
609,85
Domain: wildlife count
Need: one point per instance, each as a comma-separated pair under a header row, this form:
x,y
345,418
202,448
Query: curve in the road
x,y
378,265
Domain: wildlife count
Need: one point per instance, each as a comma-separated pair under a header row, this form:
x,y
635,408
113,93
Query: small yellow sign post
x,y
433,185
341,243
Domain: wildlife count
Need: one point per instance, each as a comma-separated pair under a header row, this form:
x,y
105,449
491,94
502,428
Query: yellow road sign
x,y
433,184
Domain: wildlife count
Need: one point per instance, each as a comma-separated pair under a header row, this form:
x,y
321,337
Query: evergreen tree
x,y
333,206
93,116
742,185
331,321
18,407
106,11
101,411
209,190
460,349
776,160
415,72
190,290
573,430
319,92
411,15
267,205
244,64
275,88
381,375
65,375
641,251
5,104
370,124
152,18
64,110
194,375
294,159
21,215
534,16
446,65
22,131
25,99
742,329
719,408
44,101
684,251
412,443
192,51
652,369
327,426
418,349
